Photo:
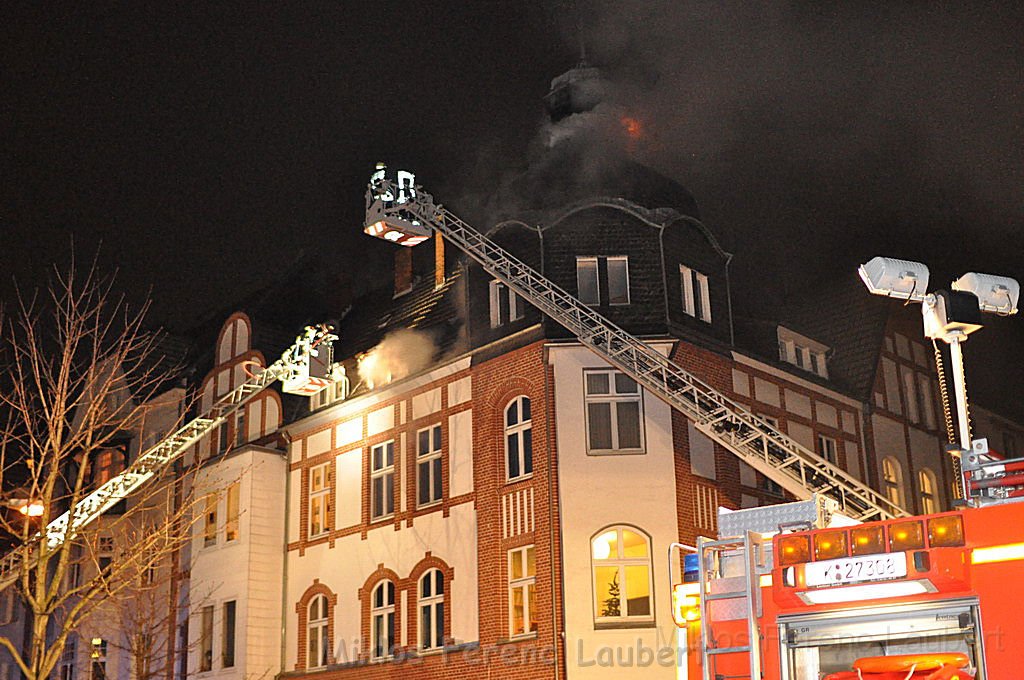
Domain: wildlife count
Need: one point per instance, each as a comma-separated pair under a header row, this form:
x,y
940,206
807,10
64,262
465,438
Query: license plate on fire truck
x,y
856,569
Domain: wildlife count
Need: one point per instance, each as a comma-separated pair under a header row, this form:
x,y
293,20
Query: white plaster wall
x,y
638,490
460,452
345,568
248,570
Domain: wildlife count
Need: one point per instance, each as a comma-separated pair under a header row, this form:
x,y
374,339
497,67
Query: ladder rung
x,y
728,650
730,595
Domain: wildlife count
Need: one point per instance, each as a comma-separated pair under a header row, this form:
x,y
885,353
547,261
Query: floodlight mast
x,y
950,316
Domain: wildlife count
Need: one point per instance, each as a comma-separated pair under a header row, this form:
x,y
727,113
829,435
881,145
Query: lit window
x,y
622,575
926,482
696,296
428,465
518,439
108,464
319,499
206,639
98,667
431,602
892,480
614,412
618,280
522,591
382,480
586,280
827,449
382,620
317,632
227,643
231,521
210,520
505,305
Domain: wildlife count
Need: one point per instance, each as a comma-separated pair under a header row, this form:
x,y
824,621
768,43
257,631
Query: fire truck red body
x,y
945,584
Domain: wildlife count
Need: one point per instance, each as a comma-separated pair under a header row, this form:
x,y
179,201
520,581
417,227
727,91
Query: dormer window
x,y
802,352
611,271
505,305
696,295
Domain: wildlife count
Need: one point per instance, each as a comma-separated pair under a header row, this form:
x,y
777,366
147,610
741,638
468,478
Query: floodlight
x,y
903,279
996,294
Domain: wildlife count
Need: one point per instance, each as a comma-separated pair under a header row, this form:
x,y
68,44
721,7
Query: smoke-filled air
x,y
400,354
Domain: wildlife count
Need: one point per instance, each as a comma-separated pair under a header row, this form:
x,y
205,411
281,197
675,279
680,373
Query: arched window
x,y
518,439
431,603
892,480
317,632
926,485
382,620
622,575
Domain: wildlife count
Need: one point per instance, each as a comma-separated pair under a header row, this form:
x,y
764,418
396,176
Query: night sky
x,y
208,148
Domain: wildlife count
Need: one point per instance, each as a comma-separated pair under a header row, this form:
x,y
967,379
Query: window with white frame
x,y
927,486
67,657
382,620
431,612
618,280
382,480
587,286
827,449
206,639
522,591
227,642
803,352
505,305
518,439
614,412
241,433
318,638
232,498
696,295
621,559
210,520
892,480
319,499
428,466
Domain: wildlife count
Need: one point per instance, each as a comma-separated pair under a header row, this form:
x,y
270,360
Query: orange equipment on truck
x,y
935,596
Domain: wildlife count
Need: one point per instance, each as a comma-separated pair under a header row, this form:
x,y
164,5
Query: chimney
x,y
403,271
438,260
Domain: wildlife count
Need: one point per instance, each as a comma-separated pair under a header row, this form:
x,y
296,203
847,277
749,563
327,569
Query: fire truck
x,y
792,592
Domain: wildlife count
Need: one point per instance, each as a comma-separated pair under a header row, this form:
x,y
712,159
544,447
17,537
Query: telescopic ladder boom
x,y
292,369
399,211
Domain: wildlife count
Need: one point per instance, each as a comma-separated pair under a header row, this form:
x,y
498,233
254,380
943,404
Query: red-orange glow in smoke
x,y
632,126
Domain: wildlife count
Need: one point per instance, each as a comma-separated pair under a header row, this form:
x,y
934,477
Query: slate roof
x,y
839,314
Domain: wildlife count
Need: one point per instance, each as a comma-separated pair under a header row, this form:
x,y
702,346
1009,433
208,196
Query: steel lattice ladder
x,y
766,449
749,551
155,459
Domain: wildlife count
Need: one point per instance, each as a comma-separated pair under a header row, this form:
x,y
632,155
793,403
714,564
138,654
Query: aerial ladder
x,y
303,369
400,211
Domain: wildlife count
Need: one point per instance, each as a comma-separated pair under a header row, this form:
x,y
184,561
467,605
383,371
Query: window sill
x,y
517,638
431,504
623,625
616,452
520,478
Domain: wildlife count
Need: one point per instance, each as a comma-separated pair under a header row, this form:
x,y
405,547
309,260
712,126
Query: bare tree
x,y
82,386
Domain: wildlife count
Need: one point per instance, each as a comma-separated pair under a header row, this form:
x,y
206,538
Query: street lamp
x,y
948,315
